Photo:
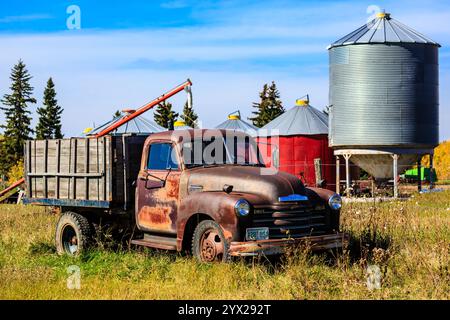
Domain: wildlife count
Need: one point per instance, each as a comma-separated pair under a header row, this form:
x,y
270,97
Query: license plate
x,y
253,234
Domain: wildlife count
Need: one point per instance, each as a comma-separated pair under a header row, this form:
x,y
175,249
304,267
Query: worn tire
x,y
73,233
203,229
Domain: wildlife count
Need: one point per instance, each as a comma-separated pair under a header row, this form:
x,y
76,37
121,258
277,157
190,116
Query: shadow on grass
x,y
362,246
42,248
367,246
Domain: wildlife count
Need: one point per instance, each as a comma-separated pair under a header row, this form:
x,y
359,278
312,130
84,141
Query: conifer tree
x,y
189,116
259,120
117,114
269,107
49,124
165,116
17,117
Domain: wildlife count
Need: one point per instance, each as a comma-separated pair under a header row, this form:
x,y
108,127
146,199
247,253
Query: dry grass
x,y
409,241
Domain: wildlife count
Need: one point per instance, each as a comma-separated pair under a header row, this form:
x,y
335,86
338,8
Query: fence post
x,y
318,171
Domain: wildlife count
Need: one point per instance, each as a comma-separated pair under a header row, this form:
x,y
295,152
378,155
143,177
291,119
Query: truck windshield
x,y
221,151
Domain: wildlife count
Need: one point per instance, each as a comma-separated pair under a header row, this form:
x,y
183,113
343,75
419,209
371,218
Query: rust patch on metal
x,y
155,217
227,234
170,192
173,187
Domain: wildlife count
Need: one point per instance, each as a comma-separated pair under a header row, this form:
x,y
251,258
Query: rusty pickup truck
x,y
201,191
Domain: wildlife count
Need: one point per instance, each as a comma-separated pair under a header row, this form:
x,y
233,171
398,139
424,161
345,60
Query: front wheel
x,y
208,243
73,233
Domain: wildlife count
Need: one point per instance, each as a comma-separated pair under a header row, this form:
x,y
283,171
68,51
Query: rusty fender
x,y
217,205
317,195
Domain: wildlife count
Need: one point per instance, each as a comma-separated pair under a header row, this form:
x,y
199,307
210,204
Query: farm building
x,y
136,125
384,93
295,140
234,122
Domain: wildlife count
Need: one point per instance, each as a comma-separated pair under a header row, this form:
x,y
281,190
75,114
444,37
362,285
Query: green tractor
x,y
412,174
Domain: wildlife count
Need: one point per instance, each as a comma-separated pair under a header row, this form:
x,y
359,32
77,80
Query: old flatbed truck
x,y
176,196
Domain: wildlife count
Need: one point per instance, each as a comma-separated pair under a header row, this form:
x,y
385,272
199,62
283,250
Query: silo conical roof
x,y
299,120
383,29
136,125
234,122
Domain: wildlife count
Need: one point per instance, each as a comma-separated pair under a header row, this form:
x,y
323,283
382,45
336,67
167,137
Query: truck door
x,y
157,190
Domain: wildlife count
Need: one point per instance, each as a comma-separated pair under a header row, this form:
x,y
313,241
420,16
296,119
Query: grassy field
x,y
408,241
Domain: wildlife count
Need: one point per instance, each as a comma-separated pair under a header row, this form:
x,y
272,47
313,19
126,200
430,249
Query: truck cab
x,y
208,192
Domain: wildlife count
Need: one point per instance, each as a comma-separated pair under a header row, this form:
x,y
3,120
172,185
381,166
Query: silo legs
x,y
347,174
395,169
338,175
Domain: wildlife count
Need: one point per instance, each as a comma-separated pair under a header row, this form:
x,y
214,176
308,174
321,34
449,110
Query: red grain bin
x,y
295,140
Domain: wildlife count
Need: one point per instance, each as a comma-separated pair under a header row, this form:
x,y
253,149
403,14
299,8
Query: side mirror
x,y
153,184
322,183
227,188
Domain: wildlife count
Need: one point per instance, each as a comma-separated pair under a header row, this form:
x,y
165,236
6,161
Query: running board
x,y
158,242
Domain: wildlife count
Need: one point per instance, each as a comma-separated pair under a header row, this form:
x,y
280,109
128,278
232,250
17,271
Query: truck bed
x,y
83,172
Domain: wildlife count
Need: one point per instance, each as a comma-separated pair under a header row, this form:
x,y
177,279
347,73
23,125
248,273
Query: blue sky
x,y
128,52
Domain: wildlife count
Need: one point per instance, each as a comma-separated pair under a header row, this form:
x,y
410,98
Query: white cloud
x,y
22,18
119,48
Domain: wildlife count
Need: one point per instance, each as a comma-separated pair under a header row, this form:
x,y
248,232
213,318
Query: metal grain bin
x,y
384,87
234,122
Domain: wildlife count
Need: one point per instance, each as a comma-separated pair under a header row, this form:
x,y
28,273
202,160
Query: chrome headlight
x,y
335,202
242,208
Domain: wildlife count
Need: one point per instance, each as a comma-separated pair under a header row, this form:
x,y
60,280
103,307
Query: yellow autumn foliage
x,y
16,172
441,160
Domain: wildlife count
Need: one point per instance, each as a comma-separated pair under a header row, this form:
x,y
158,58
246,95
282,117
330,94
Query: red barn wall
x,y
297,154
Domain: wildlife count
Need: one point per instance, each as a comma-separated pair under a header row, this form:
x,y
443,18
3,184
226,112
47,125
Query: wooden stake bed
x,y
83,172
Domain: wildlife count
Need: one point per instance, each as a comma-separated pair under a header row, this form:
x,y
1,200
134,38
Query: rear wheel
x,y
73,233
208,243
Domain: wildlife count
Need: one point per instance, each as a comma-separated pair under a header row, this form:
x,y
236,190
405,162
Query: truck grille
x,y
291,222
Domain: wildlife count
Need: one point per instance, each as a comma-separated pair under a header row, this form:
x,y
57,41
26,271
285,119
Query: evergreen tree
x,y
189,116
117,114
165,116
49,125
269,107
259,120
17,117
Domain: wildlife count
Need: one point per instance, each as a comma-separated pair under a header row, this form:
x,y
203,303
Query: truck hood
x,y
268,184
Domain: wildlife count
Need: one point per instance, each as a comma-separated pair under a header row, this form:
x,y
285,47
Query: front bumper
x,y
279,246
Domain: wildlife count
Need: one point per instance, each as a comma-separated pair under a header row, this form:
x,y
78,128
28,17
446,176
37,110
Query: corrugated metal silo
x,y
234,122
138,125
384,94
